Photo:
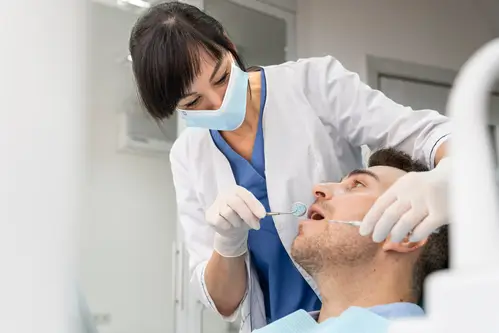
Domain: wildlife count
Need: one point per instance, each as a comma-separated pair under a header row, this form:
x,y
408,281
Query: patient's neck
x,y
366,286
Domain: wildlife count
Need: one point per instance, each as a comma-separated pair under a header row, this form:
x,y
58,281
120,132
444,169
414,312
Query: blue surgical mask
x,y
231,113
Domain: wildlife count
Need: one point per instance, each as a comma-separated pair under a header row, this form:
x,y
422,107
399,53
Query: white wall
x,y
441,33
126,240
438,33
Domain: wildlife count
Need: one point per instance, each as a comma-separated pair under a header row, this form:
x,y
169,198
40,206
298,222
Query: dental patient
x,y
351,270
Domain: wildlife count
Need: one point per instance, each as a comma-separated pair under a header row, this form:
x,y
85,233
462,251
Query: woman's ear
x,y
403,247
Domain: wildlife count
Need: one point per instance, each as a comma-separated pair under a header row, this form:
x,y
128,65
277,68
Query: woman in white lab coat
x,y
257,141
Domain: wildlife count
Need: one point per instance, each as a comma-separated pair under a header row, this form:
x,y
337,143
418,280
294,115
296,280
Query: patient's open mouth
x,y
315,213
317,216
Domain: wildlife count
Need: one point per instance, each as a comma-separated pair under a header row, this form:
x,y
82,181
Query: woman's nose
x,y
215,99
324,191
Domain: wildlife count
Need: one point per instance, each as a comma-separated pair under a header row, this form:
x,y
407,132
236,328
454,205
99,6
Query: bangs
x,y
167,63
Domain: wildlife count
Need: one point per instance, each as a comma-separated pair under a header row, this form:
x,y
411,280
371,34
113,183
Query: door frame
x,y
378,67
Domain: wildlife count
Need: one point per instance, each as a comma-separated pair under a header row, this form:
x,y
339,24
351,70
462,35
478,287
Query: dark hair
x,y
435,254
165,46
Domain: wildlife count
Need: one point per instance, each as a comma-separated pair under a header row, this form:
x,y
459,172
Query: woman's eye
x,y
193,103
222,79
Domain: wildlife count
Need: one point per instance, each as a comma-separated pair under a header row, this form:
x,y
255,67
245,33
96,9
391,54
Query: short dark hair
x,y
435,254
165,46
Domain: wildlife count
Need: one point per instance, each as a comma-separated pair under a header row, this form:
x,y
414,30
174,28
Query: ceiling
x,y
488,9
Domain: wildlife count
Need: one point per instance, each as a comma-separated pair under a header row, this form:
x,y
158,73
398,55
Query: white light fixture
x,y
136,3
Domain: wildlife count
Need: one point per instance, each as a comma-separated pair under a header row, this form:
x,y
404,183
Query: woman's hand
x,y
232,215
416,203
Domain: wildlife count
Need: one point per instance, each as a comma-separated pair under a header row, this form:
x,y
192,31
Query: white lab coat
x,y
317,116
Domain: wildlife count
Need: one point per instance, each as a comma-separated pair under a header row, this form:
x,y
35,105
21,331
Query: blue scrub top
x,y
284,289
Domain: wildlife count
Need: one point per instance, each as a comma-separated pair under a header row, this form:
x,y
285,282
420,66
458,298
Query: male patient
x,y
352,270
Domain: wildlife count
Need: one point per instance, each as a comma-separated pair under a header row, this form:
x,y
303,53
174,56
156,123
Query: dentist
x,y
257,141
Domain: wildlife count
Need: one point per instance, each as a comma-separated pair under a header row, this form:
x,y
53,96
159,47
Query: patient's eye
x,y
357,184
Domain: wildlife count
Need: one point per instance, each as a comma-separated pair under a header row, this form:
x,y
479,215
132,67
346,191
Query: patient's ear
x,y
403,247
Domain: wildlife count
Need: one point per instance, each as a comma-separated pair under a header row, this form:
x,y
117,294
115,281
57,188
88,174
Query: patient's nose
x,y
324,191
